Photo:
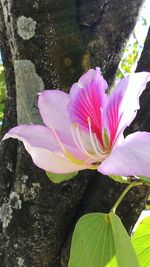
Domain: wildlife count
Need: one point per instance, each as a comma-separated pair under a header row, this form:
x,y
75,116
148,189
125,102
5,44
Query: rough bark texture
x,y
142,120
48,44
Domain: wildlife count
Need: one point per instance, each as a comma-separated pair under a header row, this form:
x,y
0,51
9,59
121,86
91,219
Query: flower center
x,y
69,155
92,147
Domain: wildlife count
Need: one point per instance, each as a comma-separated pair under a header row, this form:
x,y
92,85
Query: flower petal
x,y
52,162
87,98
123,103
35,135
43,137
53,109
41,144
132,157
90,75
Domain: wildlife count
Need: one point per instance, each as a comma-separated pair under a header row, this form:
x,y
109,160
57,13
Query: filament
x,y
81,143
58,140
91,138
74,138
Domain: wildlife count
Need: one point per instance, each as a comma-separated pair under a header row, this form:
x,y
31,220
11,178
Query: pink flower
x,y
84,129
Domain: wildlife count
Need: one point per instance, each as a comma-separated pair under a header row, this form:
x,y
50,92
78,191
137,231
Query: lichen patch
x,y
5,214
6,210
26,27
36,5
20,262
28,84
15,200
30,192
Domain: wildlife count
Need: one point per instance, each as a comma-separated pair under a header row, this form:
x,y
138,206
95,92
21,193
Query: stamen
x,y
98,146
74,137
66,153
70,156
99,155
58,140
91,137
81,143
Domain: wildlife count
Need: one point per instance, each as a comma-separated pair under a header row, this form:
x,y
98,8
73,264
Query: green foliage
x,y
119,179
101,240
124,179
2,92
141,242
144,21
134,46
147,206
128,60
145,179
57,178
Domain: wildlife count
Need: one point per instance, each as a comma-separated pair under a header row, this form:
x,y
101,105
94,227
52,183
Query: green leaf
x,y
57,178
144,179
144,23
124,251
141,242
120,179
100,240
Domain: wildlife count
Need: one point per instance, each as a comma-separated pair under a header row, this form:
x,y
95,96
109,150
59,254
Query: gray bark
x,y
142,120
48,44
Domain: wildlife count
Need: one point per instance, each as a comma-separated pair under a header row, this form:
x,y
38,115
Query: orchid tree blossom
x,y
84,129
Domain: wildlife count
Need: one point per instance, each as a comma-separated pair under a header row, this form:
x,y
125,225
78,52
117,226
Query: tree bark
x,y
142,120
48,44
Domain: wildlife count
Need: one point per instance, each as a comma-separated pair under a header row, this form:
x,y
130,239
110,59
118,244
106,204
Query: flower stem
x,y
123,194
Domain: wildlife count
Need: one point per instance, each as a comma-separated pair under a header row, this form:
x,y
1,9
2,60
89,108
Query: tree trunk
x,y
48,44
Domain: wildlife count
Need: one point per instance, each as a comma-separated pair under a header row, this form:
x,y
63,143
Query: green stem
x,y
123,194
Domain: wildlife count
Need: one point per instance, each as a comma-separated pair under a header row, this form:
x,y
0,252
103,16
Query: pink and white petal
x,y
52,162
123,103
132,157
89,75
112,115
53,109
35,135
42,146
133,86
42,137
87,98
